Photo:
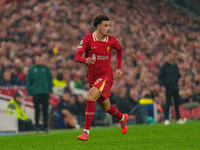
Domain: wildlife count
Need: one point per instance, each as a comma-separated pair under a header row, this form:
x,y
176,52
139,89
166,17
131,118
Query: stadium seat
x,y
183,112
23,89
13,90
196,113
6,91
192,107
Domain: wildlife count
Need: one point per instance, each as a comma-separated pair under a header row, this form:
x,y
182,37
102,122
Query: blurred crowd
x,y
147,29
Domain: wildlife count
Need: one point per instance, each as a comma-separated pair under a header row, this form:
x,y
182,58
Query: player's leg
x,y
104,101
107,107
92,96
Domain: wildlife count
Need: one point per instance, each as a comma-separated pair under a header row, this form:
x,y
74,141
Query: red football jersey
x,y
101,52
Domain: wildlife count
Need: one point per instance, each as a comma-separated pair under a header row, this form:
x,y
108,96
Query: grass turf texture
x,y
145,137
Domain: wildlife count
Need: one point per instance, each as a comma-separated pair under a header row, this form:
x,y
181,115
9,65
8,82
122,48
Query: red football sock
x,y
89,114
115,112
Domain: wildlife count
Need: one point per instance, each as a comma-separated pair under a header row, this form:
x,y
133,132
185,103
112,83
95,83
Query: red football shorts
x,y
104,83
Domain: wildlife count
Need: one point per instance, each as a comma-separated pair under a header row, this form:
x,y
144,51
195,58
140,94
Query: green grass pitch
x,y
138,137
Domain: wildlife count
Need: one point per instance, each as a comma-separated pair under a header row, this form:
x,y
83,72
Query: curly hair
x,y
98,20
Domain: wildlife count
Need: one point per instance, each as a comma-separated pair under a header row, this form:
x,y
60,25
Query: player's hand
x,y
119,73
90,61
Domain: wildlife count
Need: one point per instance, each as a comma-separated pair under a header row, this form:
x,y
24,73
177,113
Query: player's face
x,y
104,28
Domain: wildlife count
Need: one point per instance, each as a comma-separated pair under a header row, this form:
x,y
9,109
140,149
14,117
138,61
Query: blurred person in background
x,y
59,84
22,75
196,96
135,107
13,1
80,107
14,108
64,109
123,99
8,78
168,79
39,87
77,81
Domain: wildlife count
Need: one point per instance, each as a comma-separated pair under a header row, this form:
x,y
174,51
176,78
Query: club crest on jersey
x,y
108,48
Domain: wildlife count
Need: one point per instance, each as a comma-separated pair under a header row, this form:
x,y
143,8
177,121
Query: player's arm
x,y
118,49
81,49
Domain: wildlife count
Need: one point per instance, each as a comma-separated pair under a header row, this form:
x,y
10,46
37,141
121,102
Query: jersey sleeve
x,y
118,48
81,49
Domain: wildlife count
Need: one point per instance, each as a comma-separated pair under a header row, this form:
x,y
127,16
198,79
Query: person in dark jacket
x,y
39,85
8,78
168,79
63,109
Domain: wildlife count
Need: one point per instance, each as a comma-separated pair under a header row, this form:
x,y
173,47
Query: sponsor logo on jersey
x,y
94,56
102,57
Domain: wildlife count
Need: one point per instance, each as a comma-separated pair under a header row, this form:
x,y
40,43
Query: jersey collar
x,y
96,39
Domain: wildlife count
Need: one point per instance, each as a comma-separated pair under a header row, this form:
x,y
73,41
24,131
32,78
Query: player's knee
x,y
89,97
93,94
